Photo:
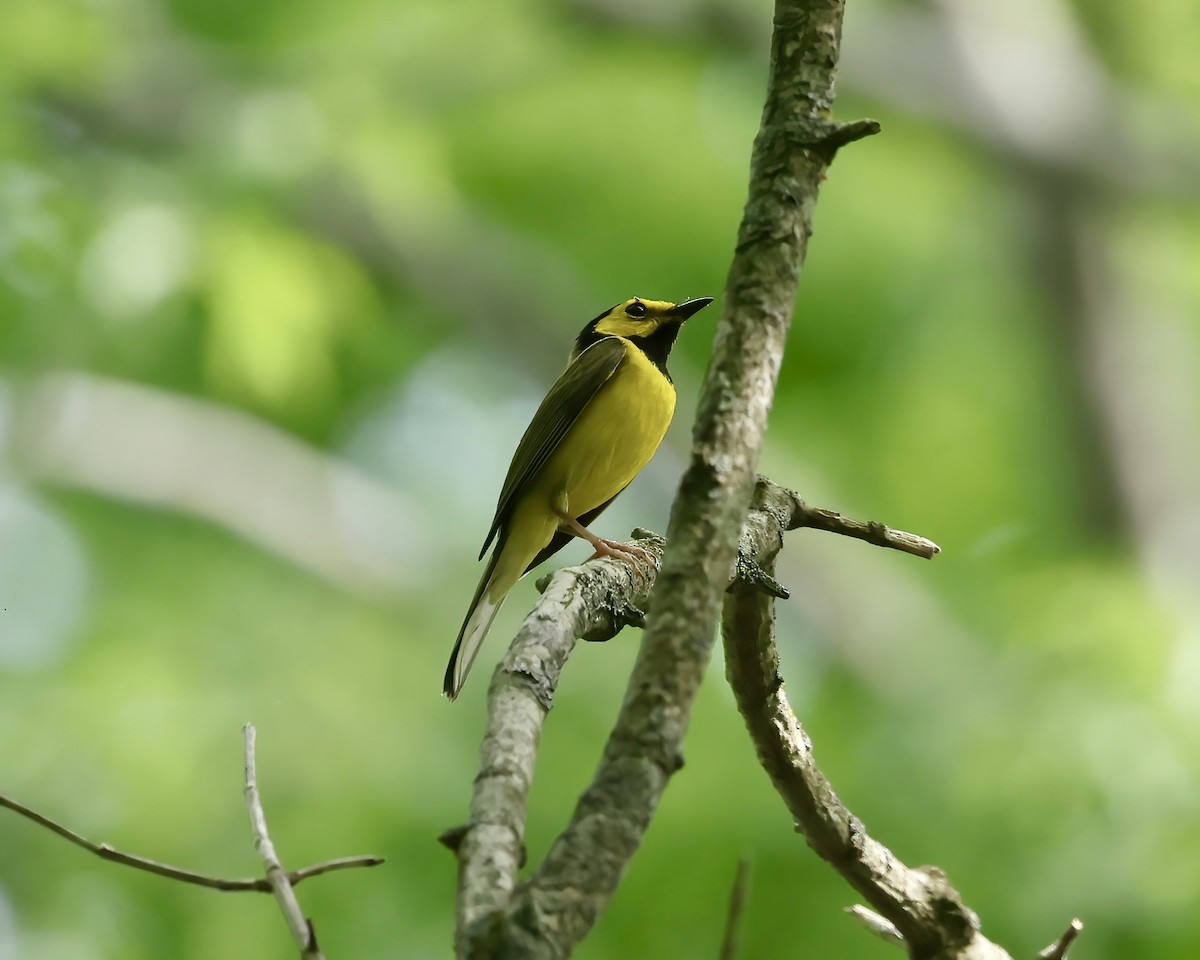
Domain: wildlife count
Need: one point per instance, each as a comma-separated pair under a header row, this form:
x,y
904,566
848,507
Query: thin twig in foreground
x,y
107,852
329,866
301,928
731,943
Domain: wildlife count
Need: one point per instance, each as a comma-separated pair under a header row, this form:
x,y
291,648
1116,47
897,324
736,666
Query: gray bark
x,y
922,906
549,913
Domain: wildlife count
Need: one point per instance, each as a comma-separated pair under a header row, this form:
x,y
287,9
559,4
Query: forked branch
x,y
299,925
106,851
592,601
916,906
277,880
553,910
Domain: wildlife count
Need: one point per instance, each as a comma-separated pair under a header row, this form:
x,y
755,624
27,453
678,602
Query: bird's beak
x,y
681,311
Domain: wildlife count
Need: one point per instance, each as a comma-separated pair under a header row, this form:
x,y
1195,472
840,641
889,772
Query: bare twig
x,y
107,852
300,926
330,866
870,531
1058,949
731,942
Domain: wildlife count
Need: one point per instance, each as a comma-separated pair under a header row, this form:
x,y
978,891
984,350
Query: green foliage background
x,y
357,240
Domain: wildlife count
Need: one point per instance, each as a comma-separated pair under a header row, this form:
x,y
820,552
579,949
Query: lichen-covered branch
x,y
498,916
562,899
592,601
554,909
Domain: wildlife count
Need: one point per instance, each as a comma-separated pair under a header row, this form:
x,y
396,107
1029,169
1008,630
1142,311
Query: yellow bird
x,y
599,425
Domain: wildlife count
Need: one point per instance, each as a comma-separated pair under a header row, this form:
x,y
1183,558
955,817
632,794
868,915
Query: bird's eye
x,y
635,309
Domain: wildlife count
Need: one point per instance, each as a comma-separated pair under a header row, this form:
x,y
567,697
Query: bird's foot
x,y
603,548
622,551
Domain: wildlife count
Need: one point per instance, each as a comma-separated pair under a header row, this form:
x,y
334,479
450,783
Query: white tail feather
x,y
467,649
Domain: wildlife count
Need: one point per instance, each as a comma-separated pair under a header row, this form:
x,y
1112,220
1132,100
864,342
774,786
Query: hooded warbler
x,y
601,422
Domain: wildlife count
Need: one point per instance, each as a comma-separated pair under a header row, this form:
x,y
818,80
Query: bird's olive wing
x,y
571,393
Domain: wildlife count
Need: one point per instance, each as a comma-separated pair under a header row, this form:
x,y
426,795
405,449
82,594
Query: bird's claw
x,y
623,551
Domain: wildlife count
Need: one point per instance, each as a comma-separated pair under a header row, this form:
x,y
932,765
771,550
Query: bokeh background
x,y
280,285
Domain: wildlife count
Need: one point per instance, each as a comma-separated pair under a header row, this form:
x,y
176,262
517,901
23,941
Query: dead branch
x,y
299,925
917,905
106,851
277,881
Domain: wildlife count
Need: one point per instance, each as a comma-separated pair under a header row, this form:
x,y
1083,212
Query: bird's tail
x,y
523,537
483,610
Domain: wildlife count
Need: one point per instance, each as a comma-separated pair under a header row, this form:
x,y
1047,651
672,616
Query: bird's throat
x,y
657,346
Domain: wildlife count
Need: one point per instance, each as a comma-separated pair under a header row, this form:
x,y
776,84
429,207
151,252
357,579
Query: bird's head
x,y
651,325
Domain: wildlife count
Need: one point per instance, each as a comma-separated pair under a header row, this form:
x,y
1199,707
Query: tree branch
x,y
107,852
592,601
277,881
558,904
300,926
870,531
552,911
919,903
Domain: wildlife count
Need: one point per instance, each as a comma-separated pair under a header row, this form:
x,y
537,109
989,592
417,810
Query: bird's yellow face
x,y
637,318
651,325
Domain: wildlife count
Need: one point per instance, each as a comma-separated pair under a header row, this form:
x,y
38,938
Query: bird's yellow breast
x,y
615,436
